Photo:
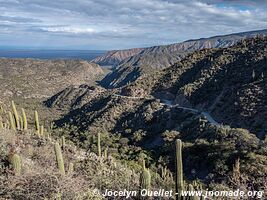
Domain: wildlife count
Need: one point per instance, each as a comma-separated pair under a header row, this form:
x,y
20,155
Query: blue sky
x,y
120,24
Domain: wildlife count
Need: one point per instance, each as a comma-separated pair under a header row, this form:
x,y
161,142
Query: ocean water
x,y
52,54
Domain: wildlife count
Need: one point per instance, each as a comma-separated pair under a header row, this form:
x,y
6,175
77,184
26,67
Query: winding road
x,y
169,104
157,141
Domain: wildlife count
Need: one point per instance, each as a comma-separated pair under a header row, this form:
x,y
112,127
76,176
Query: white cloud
x,y
75,30
125,23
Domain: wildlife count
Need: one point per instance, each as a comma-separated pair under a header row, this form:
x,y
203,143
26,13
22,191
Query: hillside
x,y
39,177
148,124
42,163
30,78
229,83
147,60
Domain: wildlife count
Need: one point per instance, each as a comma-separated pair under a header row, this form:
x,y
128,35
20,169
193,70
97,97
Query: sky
x,y
121,24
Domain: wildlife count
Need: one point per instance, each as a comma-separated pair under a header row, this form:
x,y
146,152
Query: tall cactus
x,y
59,157
11,121
99,144
63,142
145,178
16,115
42,130
179,170
71,169
24,119
15,161
36,122
105,153
21,122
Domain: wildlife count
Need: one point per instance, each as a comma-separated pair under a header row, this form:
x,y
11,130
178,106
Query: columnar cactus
x,y
1,124
15,161
179,170
71,169
145,178
106,153
36,122
24,119
11,121
20,122
16,115
42,130
63,142
99,144
59,157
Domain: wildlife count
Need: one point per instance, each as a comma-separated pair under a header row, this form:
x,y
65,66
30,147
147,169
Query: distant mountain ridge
x,y
131,63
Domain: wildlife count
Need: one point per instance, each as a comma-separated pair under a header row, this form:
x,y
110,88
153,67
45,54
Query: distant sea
x,y
52,54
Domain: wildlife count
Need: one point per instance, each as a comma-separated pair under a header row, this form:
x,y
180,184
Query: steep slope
x,y
148,60
230,83
29,78
112,58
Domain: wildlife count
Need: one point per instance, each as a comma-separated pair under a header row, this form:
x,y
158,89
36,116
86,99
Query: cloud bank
x,y
116,24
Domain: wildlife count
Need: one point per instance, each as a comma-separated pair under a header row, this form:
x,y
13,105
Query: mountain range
x,y
213,100
132,63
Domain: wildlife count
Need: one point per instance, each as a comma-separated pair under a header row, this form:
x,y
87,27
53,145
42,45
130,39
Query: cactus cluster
x,y
19,122
165,174
15,121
